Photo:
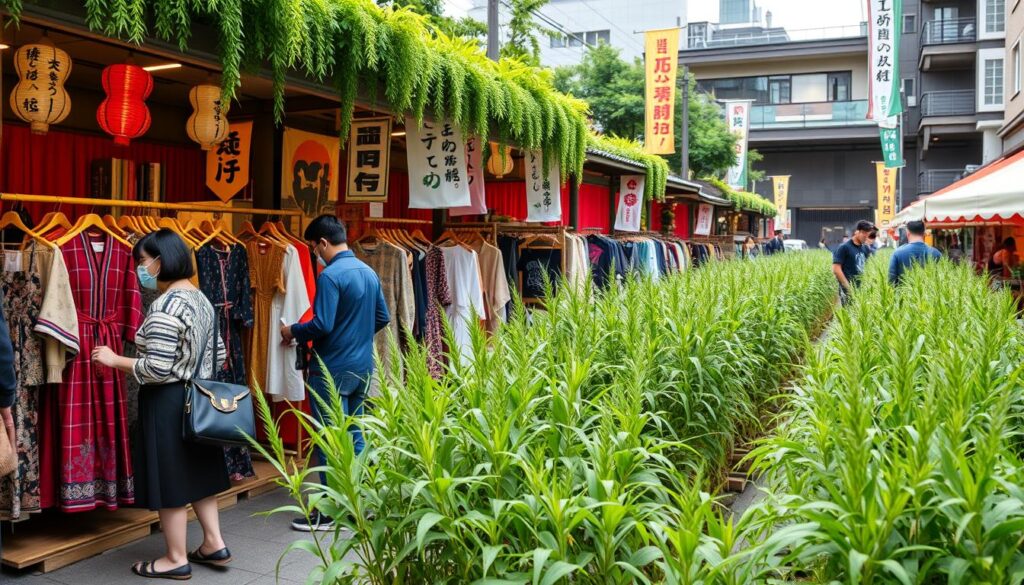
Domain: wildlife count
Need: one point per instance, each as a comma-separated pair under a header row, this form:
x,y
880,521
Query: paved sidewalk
x,y
256,544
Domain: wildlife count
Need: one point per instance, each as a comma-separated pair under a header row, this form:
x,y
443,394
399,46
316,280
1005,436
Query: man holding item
x,y
349,309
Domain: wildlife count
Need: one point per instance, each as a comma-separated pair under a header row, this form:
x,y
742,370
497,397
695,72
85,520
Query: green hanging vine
x,y
657,168
743,200
354,45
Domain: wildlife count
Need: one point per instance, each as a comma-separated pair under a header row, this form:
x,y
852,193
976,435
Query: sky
x,y
792,14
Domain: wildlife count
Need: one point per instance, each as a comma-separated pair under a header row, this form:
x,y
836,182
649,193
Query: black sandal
x,y
217,559
145,569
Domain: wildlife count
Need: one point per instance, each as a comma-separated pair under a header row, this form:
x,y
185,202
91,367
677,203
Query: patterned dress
x,y
224,279
22,300
95,462
439,296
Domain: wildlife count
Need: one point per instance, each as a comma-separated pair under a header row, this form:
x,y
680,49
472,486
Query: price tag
x,y
376,210
12,261
98,247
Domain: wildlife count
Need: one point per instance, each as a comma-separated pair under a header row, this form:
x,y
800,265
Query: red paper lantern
x,y
124,113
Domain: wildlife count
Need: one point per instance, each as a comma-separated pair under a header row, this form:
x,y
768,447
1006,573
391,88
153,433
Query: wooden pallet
x,y
50,541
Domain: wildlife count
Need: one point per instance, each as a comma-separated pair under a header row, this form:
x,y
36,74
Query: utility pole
x,y
684,167
493,42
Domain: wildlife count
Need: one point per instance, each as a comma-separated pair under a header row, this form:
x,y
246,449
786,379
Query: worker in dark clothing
x,y
8,383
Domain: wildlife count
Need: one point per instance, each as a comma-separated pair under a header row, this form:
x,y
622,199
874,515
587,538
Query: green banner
x,y
892,148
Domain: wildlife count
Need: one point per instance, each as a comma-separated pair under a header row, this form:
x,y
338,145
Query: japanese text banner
x,y
227,165
438,177
892,148
631,198
885,27
309,173
886,195
661,64
474,159
369,159
705,214
737,118
543,193
780,188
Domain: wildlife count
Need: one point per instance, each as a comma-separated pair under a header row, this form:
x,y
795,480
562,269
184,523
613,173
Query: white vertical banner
x,y
543,193
737,118
885,27
631,198
474,160
705,213
438,177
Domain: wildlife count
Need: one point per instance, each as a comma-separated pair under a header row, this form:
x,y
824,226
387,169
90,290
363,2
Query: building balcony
x,y
812,115
948,44
937,179
702,36
958,102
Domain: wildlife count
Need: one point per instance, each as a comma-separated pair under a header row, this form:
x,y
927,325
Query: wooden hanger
x,y
449,236
527,243
249,233
173,225
86,222
114,228
13,219
52,221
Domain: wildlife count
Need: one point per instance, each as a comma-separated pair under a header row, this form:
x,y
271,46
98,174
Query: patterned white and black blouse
x,y
171,338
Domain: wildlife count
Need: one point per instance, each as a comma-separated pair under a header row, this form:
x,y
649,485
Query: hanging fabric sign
x,y
737,117
886,194
892,149
437,165
661,62
227,164
474,160
309,171
885,27
543,194
704,215
369,158
780,187
631,198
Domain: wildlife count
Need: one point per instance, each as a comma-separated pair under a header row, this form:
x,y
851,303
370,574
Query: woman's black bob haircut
x,y
175,257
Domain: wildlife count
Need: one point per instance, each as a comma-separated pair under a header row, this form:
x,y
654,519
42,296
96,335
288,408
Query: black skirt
x,y
170,472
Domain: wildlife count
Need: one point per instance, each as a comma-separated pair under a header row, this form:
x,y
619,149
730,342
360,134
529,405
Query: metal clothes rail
x,y
146,205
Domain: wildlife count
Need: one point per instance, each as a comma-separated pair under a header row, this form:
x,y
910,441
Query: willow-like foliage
x,y
657,168
744,200
356,46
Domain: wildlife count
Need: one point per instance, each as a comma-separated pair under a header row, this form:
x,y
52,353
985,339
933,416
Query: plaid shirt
x,y
94,451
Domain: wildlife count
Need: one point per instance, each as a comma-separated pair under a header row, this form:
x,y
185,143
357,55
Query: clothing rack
x,y
60,200
396,220
480,227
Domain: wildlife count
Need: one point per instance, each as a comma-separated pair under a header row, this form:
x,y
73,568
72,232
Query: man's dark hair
x,y
175,257
865,226
778,232
873,234
1010,243
915,227
327,227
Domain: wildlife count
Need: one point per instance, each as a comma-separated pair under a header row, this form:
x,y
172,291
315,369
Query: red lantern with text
x,y
124,113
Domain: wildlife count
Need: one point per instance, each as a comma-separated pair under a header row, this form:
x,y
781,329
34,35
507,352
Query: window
x,y
993,82
598,37
839,86
1016,68
909,24
576,39
908,86
557,41
993,18
810,88
779,89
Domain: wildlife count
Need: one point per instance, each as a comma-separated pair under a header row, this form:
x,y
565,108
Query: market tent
x,y
994,194
912,212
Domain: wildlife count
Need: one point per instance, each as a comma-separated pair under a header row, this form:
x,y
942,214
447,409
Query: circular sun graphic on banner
x,y
631,199
311,177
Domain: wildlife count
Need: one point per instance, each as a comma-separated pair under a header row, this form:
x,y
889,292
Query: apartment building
x,y
1012,130
579,24
810,102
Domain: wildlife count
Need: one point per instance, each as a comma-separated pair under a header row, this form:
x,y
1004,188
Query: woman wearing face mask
x,y
171,473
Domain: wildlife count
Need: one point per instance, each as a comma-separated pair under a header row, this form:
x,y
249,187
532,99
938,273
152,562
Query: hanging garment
x,y
22,301
266,266
509,247
495,285
58,318
463,268
534,263
391,264
224,280
95,457
419,290
440,296
284,379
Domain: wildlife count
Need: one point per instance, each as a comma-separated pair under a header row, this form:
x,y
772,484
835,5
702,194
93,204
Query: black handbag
x,y
217,413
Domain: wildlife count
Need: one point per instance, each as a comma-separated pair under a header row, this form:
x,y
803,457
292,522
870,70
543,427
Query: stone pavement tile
x,y
271,580
24,578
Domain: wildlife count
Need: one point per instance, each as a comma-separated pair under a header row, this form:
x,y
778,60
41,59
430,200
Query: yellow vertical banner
x,y
886,210
661,64
780,188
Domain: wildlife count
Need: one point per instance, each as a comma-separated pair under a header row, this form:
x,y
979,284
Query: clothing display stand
x,y
53,540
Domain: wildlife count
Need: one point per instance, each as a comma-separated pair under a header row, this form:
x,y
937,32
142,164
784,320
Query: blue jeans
x,y
352,388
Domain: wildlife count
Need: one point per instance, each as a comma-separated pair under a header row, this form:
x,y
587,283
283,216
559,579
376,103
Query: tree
x,y
614,89
754,176
433,10
523,31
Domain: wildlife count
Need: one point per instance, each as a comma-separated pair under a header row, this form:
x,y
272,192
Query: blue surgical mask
x,y
320,260
146,280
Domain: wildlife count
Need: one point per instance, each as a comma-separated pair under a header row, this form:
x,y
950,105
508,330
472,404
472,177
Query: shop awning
x,y
912,212
993,194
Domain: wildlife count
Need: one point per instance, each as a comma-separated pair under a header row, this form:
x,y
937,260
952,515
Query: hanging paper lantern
x,y
499,163
39,98
208,124
124,113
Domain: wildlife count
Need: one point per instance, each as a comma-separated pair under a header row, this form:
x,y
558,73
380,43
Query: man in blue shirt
x,y
914,252
349,309
849,259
